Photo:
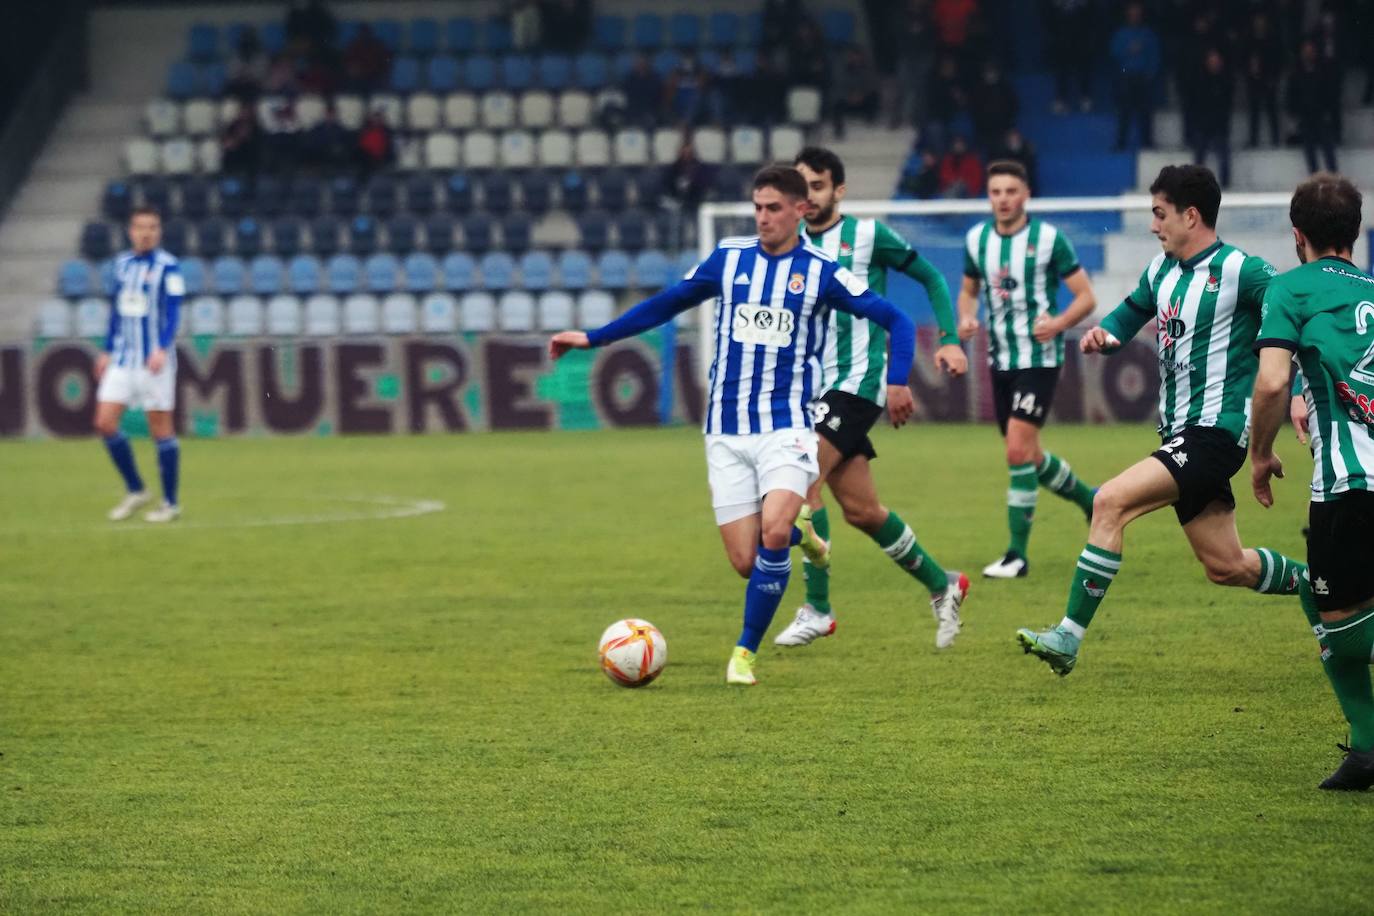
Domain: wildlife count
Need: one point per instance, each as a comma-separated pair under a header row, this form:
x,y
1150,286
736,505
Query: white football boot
x,y
130,504
163,513
808,626
946,609
1009,567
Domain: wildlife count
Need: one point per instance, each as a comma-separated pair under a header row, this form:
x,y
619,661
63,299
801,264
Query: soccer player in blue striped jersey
x,y
138,367
773,293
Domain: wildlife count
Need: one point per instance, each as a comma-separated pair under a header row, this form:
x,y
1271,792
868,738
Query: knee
x,y
743,563
865,517
1228,571
1109,508
776,535
106,427
1020,453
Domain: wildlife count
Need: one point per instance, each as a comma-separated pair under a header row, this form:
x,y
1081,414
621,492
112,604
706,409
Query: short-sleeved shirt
x,y
1324,312
1020,274
144,303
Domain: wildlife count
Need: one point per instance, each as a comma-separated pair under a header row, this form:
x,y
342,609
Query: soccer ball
x,y
632,652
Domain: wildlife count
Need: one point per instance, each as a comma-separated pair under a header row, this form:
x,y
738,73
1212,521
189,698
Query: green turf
x,y
407,714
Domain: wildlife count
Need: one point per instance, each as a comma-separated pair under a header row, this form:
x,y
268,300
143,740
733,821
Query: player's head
x,y
824,174
1008,190
145,229
779,203
1325,212
1185,202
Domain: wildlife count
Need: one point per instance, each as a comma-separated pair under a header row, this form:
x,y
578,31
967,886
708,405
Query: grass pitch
x,y
247,713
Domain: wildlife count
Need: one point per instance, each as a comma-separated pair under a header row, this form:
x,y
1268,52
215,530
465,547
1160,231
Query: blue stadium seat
x,y
613,189
343,274
155,192
421,272
632,231
573,192
594,229
401,233
75,278
442,73
304,275
574,269
233,197
536,192
324,236
684,30
479,73
498,270
266,275
622,63
648,185
458,191
362,235
613,270
439,233
117,200
461,35
343,195
193,272
751,33
653,271
347,31
211,237
517,231
424,36
497,195
460,271
536,270
228,276
211,79
723,29
838,26
181,79
273,36
195,198
591,70
420,195
233,34
97,241
405,75
477,233
608,32
729,183
307,196
247,237
664,62
174,236
646,33
380,271
388,32
497,37
203,42
382,195
555,71
517,72
286,236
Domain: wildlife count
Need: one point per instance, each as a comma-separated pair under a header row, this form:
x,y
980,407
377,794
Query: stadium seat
x,y
460,111
460,272
590,71
497,192
555,149
746,145
307,196
350,110
177,156
667,142
409,153
664,62
593,149
439,233
572,191
498,110
536,192
684,31
244,318
516,150
343,274
163,118
382,195
479,150
343,195
479,73
516,72
496,35
141,157
613,270
515,311
211,238
441,151
804,105
284,315
421,272
273,36
380,272
390,32
92,317
646,32
441,73
613,191
536,110
202,41
631,147
536,270
361,314
653,271
439,314
647,184
174,236
398,314
304,275
723,29
266,275
247,237
594,229
227,276
784,142
728,183
574,109
460,35
423,38
310,110
709,143
555,311
595,307
422,112
193,273
181,79
324,236
226,109
632,231
498,270
401,234
420,195
608,32
117,200
405,75
390,107
362,235
205,316
477,312
458,193
232,195
270,195
97,241
54,319
322,315
517,232
838,26
155,192
574,269
286,236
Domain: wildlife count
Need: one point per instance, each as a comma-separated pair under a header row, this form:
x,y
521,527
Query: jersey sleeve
x,y
1063,257
1126,320
892,251
842,290
701,284
1280,323
172,292
971,266
1255,276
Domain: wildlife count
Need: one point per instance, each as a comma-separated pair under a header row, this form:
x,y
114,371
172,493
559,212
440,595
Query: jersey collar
x,y
1202,255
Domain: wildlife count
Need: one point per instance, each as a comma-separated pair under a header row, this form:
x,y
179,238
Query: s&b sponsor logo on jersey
x,y
796,283
761,325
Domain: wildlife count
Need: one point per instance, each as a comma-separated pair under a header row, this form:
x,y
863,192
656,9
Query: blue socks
x,y
764,593
168,464
122,454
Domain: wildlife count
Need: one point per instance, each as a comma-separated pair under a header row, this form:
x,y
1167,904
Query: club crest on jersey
x,y
1004,284
1213,284
796,283
846,249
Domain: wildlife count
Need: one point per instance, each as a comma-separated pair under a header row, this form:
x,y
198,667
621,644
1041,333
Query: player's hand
x,y
1261,470
968,327
900,404
1098,340
1046,328
564,341
1297,412
156,361
950,359
102,362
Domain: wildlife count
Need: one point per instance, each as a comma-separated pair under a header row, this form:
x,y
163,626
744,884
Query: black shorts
x,y
1202,460
1025,394
843,420
1340,546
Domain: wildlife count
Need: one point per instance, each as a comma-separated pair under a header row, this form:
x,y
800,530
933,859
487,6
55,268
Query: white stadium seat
x,y
228,109
54,319
498,110
631,147
140,157
322,315
460,110
208,154
804,106
516,150
441,151
199,117
710,145
92,317
595,307
555,149
310,110
361,314
593,148
390,107
350,110
178,156
479,150
555,311
398,314
206,315
245,316
515,311
439,314
784,142
574,109
409,153
536,110
422,111
667,143
477,312
284,315
746,144
163,117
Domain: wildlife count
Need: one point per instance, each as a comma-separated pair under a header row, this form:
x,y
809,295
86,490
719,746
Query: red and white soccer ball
x,y
633,652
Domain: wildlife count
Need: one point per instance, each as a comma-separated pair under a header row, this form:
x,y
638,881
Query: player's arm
x,y
1064,262
102,360
846,292
968,298
891,250
1297,408
169,313
1276,344
1124,322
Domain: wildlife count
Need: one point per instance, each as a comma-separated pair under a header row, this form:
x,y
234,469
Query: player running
x,y
774,292
1205,296
854,367
138,367
1322,311
1019,261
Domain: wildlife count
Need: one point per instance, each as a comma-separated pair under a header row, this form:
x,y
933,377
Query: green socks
x,y
898,542
1279,575
1021,496
1346,650
1095,571
1055,474
818,580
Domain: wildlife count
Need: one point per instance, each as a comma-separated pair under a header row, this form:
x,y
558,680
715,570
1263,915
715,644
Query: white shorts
x,y
139,388
742,469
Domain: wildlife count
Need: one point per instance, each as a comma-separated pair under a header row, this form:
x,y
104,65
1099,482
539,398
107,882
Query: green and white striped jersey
x,y
1324,312
1207,311
1020,274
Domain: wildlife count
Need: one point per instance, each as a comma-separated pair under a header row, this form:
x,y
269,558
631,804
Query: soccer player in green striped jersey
x,y
1205,297
1323,311
852,399
1019,262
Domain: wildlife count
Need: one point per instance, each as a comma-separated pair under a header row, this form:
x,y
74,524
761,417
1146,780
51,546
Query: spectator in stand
x,y
1135,52
367,63
282,134
1071,42
808,60
945,99
328,145
376,146
687,179
686,89
643,92
1363,16
566,25
1313,103
729,90
1214,94
915,61
281,76
241,143
961,171
1015,147
780,21
247,68
311,25
1263,66
858,90
921,176
993,106
1330,40
767,90
955,22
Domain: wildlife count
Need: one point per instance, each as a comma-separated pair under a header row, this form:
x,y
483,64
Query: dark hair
x,y
1009,167
144,210
819,159
1187,186
1326,209
783,177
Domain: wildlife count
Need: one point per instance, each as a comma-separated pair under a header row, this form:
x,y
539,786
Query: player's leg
x,y
111,397
1022,492
1140,489
168,465
1216,543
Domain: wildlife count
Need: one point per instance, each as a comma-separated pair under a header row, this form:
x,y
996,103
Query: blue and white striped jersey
x,y
770,321
145,306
